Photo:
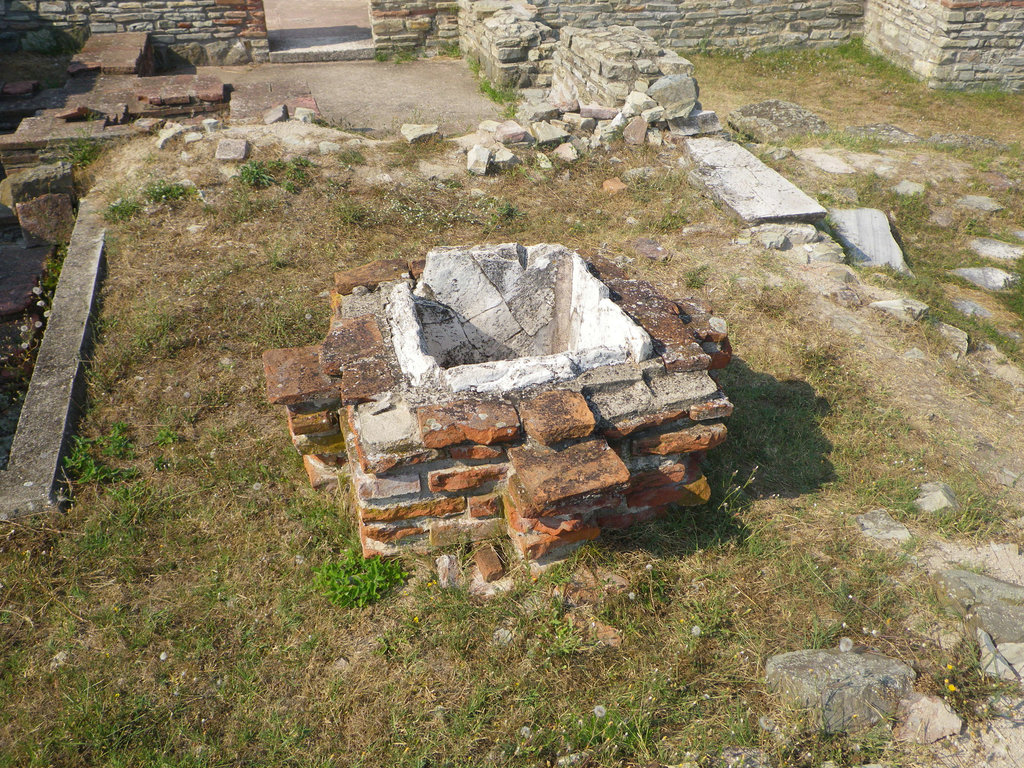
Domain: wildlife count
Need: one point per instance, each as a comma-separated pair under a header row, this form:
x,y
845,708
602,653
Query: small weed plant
x,y
122,209
291,175
83,465
255,174
355,581
163,191
81,153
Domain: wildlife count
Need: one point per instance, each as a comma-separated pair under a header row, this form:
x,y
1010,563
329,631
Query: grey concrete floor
x,y
305,23
377,97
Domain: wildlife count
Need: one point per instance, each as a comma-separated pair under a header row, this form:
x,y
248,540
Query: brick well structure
x,y
505,390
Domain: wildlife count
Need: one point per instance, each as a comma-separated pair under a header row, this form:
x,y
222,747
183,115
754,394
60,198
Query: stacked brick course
x,y
201,31
549,464
408,25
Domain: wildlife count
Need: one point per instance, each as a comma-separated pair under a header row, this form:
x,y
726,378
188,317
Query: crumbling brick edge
x,y
34,480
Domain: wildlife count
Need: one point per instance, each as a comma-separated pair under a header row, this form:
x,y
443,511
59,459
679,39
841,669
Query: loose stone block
x,y
417,133
557,415
488,564
718,408
232,150
44,179
46,220
468,421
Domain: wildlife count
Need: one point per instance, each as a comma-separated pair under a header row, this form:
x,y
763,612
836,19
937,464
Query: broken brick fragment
x,y
557,415
473,421
488,505
369,275
550,478
315,423
475,452
457,479
440,507
293,376
488,563
716,408
699,437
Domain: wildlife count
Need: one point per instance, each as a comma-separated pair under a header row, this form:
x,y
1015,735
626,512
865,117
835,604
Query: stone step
x,y
353,50
115,53
745,185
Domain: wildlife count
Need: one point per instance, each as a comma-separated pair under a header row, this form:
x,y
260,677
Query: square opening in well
x,y
521,315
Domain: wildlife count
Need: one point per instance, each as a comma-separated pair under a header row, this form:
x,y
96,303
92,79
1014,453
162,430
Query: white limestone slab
x,y
867,238
996,249
747,186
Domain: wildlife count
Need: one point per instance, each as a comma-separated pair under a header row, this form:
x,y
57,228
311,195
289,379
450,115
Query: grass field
x,y
172,617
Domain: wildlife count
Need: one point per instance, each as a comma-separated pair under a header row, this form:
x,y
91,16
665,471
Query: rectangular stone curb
x,y
34,480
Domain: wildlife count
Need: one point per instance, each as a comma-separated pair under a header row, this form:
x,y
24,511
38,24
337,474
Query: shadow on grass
x,y
775,448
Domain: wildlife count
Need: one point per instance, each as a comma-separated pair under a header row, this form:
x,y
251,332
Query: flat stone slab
x,y
745,185
550,478
773,120
990,248
879,525
890,134
115,53
867,238
232,150
847,691
989,278
970,308
980,203
995,606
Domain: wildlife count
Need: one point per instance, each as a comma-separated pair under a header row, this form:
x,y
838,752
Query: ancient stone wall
x,y
510,42
949,43
409,25
198,31
718,23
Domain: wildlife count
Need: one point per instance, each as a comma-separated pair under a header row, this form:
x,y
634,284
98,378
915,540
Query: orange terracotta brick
x,y
350,340
464,478
444,507
293,376
718,408
474,452
444,533
488,505
315,423
699,437
389,534
557,415
551,478
370,275
536,545
645,421
468,421
322,476
489,564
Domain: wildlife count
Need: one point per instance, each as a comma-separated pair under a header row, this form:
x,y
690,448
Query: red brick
x,y
474,421
488,563
720,353
551,525
475,452
618,519
370,275
367,379
550,478
444,507
20,88
464,478
322,476
700,437
535,546
316,423
348,341
681,484
605,269
389,534
719,408
293,376
645,421
557,415
485,506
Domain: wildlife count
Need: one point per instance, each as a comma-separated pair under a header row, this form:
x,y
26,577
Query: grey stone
x,y
637,102
909,188
39,41
867,238
232,150
212,125
1014,654
547,134
991,661
979,203
698,123
393,430
615,403
745,757
192,137
967,141
1003,621
773,120
504,159
935,497
989,604
989,278
878,525
276,114
681,389
902,309
970,308
536,112
845,691
989,248
597,112
926,719
891,134
415,133
740,181
236,55
449,572
955,336
166,134
478,160
676,94
566,153
511,132
303,114
577,122
328,147
47,178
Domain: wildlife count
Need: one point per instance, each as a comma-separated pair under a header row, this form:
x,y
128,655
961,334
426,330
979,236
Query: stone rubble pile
x,y
544,436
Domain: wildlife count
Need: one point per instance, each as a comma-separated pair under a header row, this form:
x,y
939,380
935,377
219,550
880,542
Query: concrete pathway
x,y
376,98
318,30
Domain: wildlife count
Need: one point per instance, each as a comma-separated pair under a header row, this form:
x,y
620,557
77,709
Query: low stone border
x,y
34,480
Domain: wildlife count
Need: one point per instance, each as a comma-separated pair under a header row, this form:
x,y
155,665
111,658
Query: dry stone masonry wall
x,y
546,426
408,25
199,31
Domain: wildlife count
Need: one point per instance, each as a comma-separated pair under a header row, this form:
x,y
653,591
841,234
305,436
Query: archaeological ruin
x,y
505,390
948,43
